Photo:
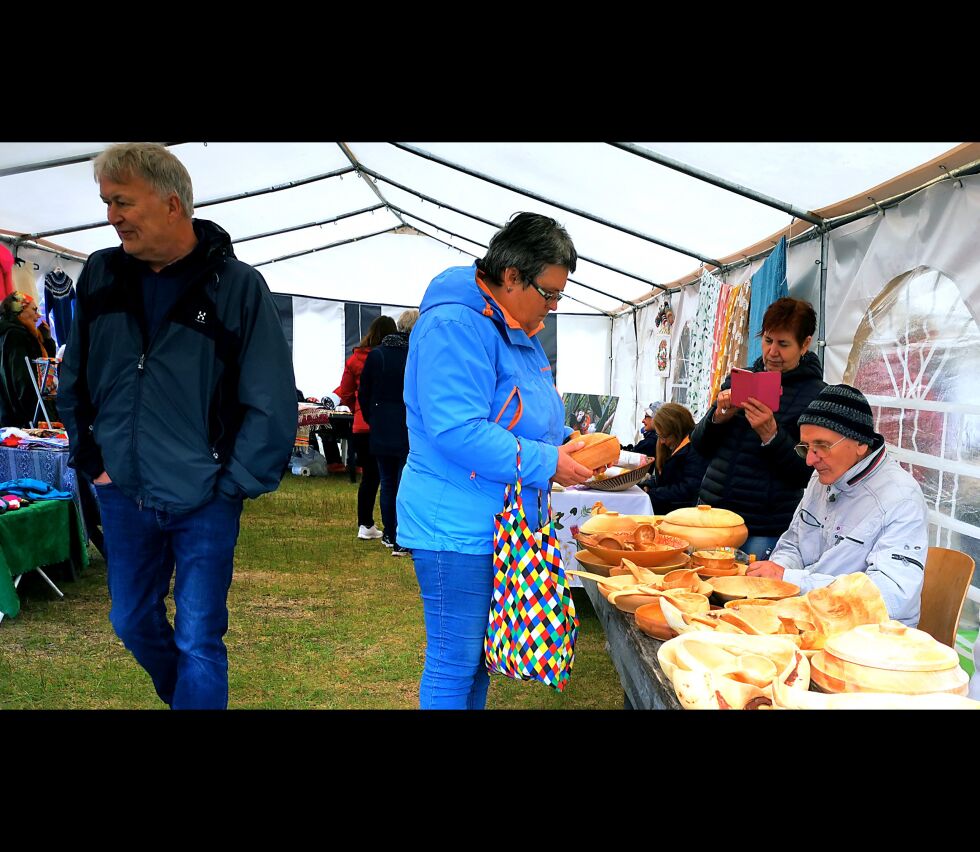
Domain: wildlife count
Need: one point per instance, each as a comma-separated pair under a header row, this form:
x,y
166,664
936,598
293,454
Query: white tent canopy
x,y
892,265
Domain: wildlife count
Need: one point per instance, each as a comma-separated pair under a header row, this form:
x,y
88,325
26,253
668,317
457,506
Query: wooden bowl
x,y
591,562
611,584
715,563
730,588
608,523
631,603
739,602
650,620
668,550
834,675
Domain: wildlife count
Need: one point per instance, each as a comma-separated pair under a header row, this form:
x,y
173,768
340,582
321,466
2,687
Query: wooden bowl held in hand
x,y
599,450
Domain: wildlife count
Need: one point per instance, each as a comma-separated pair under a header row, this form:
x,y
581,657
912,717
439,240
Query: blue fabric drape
x,y
768,284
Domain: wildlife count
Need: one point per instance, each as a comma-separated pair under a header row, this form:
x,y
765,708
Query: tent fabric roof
x,y
419,215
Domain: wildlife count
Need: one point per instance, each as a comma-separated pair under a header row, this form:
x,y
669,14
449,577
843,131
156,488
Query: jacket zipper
x,y
136,414
909,559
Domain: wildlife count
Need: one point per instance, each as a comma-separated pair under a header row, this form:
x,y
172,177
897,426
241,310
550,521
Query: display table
x,y
572,502
634,654
45,533
335,425
50,466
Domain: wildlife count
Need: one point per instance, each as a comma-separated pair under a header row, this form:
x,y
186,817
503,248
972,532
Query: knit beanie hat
x,y
843,410
651,409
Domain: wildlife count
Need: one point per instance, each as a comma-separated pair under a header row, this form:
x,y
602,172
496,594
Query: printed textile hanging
x,y
702,341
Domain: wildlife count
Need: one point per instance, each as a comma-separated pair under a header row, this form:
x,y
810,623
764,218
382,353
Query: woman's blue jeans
x,y
457,589
187,662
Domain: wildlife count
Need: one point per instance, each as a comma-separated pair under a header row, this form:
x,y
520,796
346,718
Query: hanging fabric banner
x,y
702,341
768,284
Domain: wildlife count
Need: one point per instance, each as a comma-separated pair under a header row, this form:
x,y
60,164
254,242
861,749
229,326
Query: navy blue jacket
x,y
205,407
762,484
679,483
380,394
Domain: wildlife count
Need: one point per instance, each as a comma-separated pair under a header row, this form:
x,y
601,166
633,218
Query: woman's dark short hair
x,y
529,242
794,315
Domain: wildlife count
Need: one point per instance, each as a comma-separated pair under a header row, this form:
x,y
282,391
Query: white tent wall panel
x,y
318,345
624,378
583,354
649,384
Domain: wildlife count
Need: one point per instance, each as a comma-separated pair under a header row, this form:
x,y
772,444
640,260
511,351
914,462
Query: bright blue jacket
x,y
463,366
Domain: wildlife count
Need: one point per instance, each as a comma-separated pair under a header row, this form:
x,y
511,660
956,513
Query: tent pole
x,y
824,251
707,177
481,245
574,210
197,205
492,224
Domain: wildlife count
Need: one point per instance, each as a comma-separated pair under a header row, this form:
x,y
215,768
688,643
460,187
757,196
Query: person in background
x,y
175,394
22,334
647,445
680,467
862,511
477,381
367,492
753,469
380,398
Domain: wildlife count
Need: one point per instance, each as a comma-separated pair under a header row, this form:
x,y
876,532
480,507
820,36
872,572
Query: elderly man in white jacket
x,y
861,510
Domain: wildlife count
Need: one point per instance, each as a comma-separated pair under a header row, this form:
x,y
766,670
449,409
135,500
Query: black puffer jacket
x,y
679,482
205,407
18,398
380,395
762,484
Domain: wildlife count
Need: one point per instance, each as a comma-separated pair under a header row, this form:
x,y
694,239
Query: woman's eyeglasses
x,y
549,295
819,448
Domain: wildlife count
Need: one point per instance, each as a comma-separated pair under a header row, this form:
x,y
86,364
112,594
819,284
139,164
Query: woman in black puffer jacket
x,y
680,467
753,469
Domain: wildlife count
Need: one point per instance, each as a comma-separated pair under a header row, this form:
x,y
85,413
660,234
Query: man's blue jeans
x,y
188,662
457,589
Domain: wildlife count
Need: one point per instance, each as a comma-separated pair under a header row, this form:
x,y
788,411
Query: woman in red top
x,y
367,493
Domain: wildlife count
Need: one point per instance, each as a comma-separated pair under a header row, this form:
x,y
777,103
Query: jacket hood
x,y
214,245
808,368
457,286
397,340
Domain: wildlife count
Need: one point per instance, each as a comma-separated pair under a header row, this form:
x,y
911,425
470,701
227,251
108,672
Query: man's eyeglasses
x,y
549,295
820,448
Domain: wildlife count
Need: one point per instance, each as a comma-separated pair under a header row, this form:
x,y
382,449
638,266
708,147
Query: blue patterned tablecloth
x,y
49,466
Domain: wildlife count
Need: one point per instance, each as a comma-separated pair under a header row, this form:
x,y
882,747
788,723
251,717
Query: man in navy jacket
x,y
176,392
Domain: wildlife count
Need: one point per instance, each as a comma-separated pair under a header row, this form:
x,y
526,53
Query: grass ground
x,y
318,620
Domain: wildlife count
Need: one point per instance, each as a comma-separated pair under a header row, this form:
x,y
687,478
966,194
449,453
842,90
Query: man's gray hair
x,y
151,162
529,242
406,322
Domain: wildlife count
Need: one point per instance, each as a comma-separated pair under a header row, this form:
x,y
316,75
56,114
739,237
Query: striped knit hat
x,y
843,410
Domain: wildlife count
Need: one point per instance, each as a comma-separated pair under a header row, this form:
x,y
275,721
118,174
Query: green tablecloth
x,y
43,533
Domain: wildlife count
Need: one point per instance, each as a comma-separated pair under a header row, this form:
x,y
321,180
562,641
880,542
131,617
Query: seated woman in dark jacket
x,y
680,467
647,445
20,336
753,469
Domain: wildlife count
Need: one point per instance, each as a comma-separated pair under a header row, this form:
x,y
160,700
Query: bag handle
x,y
518,493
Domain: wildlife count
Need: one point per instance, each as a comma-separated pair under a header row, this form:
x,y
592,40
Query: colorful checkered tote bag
x,y
532,629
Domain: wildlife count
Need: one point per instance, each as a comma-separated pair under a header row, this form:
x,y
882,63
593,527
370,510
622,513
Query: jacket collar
x,y
855,476
511,323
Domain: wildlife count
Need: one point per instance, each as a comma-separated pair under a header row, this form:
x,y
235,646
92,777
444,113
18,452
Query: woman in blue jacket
x,y
476,381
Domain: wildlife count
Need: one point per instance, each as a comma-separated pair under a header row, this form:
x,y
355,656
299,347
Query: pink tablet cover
x,y
765,387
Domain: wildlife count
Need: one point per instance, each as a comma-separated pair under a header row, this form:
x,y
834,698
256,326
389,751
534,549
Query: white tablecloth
x,y
572,502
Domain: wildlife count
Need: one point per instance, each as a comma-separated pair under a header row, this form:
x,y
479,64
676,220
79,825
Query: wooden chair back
x,y
944,586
